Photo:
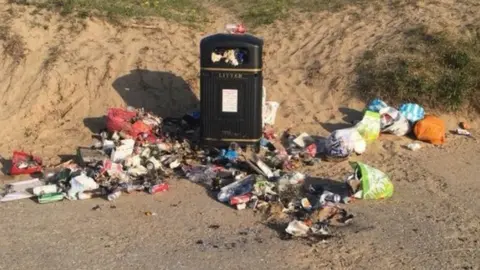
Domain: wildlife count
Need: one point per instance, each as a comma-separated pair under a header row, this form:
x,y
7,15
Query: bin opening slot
x,y
232,56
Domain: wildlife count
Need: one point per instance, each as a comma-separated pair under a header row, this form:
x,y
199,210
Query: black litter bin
x,y
231,89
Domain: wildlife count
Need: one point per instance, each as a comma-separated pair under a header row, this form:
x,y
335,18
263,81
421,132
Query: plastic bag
x,y
342,142
119,119
374,184
270,112
413,112
79,184
376,105
369,127
236,188
138,128
121,152
430,129
392,121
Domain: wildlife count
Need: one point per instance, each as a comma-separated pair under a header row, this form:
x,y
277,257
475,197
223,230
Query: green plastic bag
x,y
369,127
374,184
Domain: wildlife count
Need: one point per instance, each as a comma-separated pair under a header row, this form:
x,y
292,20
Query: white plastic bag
x,y
270,112
123,151
343,142
392,121
79,184
297,228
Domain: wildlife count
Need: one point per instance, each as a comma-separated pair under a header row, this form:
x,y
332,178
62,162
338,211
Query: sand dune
x,y
72,70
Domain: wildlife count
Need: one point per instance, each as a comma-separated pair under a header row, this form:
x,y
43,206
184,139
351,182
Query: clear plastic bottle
x,y
114,195
236,188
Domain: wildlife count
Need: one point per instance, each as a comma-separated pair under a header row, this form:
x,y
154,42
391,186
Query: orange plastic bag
x,y
430,129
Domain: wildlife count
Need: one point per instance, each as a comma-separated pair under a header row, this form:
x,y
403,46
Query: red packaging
x,y
312,150
245,198
119,119
140,127
241,29
153,139
19,157
269,132
111,167
158,188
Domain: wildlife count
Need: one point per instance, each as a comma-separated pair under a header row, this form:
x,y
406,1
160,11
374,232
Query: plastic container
x,y
47,189
20,157
52,197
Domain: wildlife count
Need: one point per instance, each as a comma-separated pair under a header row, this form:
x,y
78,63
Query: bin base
x,y
253,144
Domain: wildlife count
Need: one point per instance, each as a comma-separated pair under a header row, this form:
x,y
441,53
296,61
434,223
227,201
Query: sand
x,y
54,96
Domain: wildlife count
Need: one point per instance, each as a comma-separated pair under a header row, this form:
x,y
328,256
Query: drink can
x,y
158,188
51,197
306,204
240,199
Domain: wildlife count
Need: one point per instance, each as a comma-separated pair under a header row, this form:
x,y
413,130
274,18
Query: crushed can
x,y
241,199
158,188
51,197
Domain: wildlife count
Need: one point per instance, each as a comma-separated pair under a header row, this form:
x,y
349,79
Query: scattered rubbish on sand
x,y
463,132
20,190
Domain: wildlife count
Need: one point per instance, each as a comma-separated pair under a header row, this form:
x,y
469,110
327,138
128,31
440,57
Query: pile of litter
x,y
139,151
381,118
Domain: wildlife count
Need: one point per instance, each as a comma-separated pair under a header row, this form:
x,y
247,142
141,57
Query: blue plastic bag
x,y
413,112
376,105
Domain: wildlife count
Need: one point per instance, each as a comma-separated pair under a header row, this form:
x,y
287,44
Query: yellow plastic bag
x,y
369,127
373,183
430,129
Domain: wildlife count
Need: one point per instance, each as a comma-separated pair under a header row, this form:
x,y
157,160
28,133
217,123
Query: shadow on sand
x,y
163,93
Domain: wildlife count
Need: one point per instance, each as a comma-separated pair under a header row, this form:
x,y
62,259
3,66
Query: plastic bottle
x,y
236,188
114,195
463,132
198,175
290,179
47,189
